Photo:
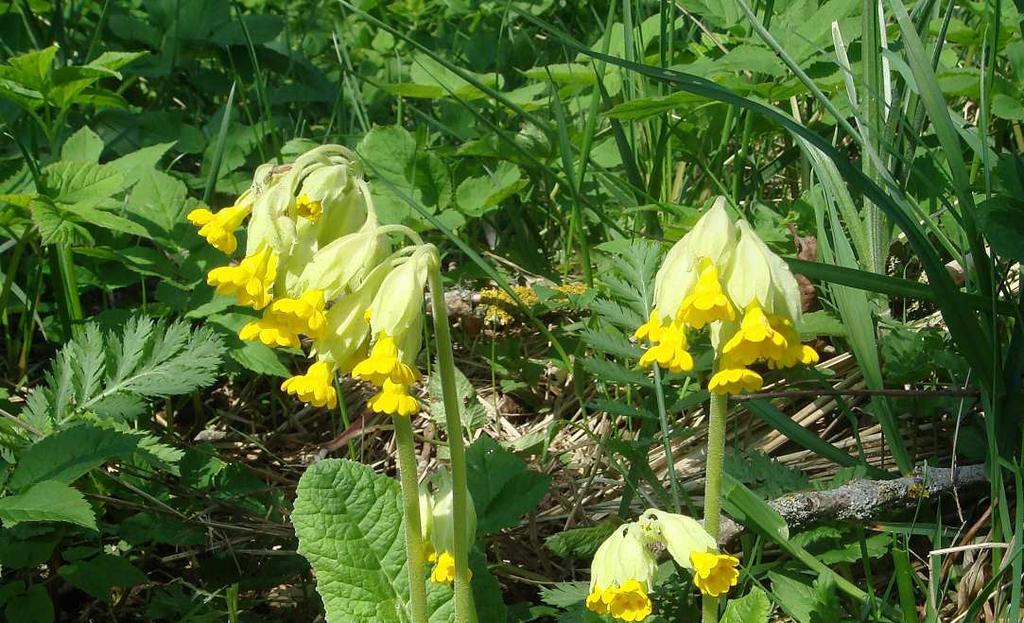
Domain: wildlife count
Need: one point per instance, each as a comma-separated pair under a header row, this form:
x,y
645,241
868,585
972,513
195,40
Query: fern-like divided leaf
x,y
113,374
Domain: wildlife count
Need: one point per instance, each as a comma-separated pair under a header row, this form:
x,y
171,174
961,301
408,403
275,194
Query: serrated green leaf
x,y
47,501
84,145
616,373
135,165
98,576
754,607
565,594
581,542
70,453
84,183
32,606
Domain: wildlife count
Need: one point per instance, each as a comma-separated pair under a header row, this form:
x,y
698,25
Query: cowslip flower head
x,y
707,246
714,574
622,575
286,319
669,350
385,364
731,381
250,281
443,533
315,387
681,535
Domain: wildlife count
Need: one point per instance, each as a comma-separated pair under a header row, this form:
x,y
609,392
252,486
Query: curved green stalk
x,y
414,551
718,409
465,612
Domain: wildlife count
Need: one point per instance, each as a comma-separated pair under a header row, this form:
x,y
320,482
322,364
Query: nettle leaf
x,y
349,523
471,412
70,453
77,182
502,487
84,145
47,501
100,575
806,603
754,607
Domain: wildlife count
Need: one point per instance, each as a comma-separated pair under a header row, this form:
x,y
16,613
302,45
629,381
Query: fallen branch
x,y
860,500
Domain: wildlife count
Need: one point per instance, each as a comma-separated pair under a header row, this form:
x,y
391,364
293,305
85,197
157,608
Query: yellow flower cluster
x,y
623,569
323,273
723,276
499,306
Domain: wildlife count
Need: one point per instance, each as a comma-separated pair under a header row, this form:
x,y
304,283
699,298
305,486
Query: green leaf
x,y
471,412
581,542
134,165
158,202
98,576
565,594
70,453
1002,220
47,501
754,607
818,323
476,196
502,487
32,606
806,603
82,182
84,145
260,359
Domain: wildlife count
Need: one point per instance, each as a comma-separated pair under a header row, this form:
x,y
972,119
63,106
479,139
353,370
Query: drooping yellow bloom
x,y
250,281
385,364
621,575
734,381
650,330
670,350
219,227
681,535
315,387
714,574
308,208
394,398
755,340
444,569
286,319
707,302
443,535
795,353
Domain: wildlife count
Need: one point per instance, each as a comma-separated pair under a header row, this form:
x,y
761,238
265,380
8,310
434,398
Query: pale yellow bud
x,y
334,267
680,534
398,306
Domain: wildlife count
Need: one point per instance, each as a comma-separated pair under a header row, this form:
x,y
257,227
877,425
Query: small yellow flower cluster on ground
x,y
499,306
323,273
623,569
438,527
721,275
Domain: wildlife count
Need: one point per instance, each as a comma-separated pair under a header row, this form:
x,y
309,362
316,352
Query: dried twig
x,y
859,500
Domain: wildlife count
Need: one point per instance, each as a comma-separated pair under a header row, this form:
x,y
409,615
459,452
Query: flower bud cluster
x,y
723,276
623,568
325,276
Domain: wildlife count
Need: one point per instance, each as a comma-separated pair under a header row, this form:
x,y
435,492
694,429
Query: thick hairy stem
x,y
713,484
415,556
465,612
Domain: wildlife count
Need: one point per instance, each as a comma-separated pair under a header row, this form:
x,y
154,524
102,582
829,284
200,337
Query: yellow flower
x,y
630,602
714,574
385,364
219,227
335,266
734,381
315,387
756,274
308,208
444,569
443,535
795,353
670,351
621,574
680,534
650,330
707,302
344,339
287,318
755,340
394,399
250,281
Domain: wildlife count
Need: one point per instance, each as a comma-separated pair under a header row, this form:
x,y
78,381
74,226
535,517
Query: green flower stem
x,y
414,551
465,612
719,408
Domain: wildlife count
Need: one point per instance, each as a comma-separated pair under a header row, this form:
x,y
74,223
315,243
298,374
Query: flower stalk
x,y
465,612
414,548
718,409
